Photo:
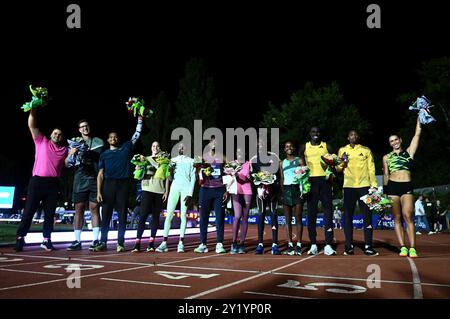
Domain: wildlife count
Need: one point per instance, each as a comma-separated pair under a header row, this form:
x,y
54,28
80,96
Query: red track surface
x,y
38,274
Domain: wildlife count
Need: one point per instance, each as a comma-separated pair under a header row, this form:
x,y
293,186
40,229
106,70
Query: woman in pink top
x,y
241,204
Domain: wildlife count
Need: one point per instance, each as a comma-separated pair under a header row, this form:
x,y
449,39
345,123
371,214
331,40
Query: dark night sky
x,y
255,52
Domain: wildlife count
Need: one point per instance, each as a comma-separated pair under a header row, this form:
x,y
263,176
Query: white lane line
x,y
37,256
216,269
145,282
416,280
26,264
32,272
247,279
275,295
102,273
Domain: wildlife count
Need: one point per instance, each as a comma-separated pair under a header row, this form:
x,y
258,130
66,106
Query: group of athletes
x,y
102,178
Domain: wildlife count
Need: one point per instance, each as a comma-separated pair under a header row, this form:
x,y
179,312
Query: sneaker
x,y
431,232
120,248
151,246
298,250
76,245
180,247
259,249
313,250
47,245
201,249
413,253
241,249
162,248
220,249
94,244
329,251
20,242
234,249
136,248
369,251
349,250
403,252
418,233
100,247
275,250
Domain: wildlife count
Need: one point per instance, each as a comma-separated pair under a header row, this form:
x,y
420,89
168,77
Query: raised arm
x,y
415,140
32,124
138,131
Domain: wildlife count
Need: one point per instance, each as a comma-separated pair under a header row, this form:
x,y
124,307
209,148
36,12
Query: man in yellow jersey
x,y
359,177
321,189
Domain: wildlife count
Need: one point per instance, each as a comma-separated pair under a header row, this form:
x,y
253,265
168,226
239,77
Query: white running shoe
x,y
201,249
220,249
162,248
328,250
180,247
418,233
313,250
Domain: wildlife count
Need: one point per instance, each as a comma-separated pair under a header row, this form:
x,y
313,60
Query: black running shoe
x,y
290,250
101,247
94,244
47,245
76,245
151,246
349,250
20,242
369,251
136,248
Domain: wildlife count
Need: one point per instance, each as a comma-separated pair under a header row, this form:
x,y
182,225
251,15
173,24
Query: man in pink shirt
x,y
44,182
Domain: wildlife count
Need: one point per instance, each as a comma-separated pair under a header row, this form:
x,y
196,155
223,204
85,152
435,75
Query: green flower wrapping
x,y
137,107
141,166
302,179
39,98
163,170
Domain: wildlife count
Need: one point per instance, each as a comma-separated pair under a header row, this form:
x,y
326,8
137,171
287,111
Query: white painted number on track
x,y
182,275
339,288
8,260
73,267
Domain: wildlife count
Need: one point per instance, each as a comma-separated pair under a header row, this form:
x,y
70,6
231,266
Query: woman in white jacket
x,y
182,188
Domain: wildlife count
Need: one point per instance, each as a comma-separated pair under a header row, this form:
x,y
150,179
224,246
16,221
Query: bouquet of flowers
x,y
263,179
39,98
231,168
142,164
331,161
376,201
163,160
78,143
422,106
302,179
137,107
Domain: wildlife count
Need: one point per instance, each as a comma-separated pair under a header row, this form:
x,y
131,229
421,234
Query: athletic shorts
x,y
84,189
292,196
399,188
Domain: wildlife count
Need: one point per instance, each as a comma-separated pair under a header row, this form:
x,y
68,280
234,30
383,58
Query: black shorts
x,y
84,189
399,188
292,196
